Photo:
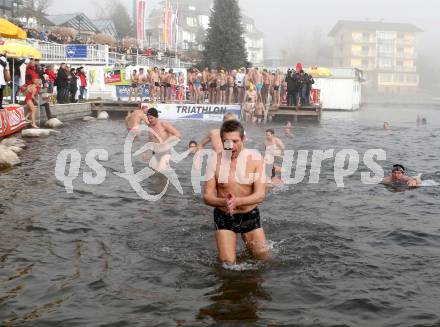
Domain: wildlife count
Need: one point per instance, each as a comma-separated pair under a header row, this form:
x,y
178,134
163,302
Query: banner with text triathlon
x,y
11,120
207,112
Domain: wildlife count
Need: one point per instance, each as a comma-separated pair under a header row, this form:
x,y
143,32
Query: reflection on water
x,y
361,255
237,298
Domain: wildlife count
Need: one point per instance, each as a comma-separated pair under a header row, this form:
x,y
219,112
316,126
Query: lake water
x,y
361,255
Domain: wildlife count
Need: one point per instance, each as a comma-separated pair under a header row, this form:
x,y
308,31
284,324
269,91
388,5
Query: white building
x,y
342,90
193,22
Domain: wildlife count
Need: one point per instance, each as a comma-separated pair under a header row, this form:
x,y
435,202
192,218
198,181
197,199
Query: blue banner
x,y
123,91
76,51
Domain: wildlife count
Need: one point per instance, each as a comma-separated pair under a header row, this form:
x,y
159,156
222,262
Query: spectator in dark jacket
x,y
73,85
62,84
292,80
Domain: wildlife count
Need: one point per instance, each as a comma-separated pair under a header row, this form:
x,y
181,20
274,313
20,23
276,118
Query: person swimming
x,y
398,177
288,129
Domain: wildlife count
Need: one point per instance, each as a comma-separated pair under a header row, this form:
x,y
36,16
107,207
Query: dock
x,y
281,114
113,106
285,113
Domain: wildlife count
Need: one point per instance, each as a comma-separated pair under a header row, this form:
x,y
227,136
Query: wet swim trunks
x,y
240,223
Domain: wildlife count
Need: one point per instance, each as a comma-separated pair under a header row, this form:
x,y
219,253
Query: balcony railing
x,y
402,41
96,54
364,40
403,69
364,53
406,55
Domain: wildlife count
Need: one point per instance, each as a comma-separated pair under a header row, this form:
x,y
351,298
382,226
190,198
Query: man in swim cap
x,y
398,176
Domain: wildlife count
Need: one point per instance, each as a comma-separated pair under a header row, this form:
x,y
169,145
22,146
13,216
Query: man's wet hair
x,y
398,167
232,126
270,130
192,142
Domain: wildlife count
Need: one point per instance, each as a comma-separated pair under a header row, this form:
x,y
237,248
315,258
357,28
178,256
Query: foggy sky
x,y
279,20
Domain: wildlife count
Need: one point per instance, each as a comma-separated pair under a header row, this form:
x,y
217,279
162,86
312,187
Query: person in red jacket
x,y
31,91
83,82
51,76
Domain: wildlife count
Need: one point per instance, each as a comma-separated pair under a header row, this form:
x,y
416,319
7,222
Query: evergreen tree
x,y
224,44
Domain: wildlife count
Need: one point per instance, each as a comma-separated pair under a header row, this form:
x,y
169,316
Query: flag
x,y
140,28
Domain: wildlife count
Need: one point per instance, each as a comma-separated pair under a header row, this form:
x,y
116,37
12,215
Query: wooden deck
x,y
284,113
280,114
114,106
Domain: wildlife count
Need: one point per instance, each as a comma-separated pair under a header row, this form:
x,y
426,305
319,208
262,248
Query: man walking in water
x,y
235,204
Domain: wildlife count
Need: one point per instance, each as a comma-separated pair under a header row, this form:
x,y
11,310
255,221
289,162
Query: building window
x,y
399,78
386,48
249,28
191,21
411,78
386,35
385,78
385,63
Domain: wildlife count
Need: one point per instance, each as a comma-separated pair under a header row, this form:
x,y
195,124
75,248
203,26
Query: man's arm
x,y
281,144
205,141
210,194
172,130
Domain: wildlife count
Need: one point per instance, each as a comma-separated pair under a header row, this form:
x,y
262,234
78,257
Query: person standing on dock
x,y
155,83
134,85
292,88
236,204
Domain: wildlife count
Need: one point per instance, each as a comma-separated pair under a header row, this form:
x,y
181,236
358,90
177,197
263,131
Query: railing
x,y
404,69
97,54
406,55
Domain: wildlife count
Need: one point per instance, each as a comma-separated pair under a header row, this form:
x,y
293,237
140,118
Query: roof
x,y
75,20
105,26
374,26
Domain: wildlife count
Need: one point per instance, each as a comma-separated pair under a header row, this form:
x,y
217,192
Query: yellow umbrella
x,y
18,49
9,30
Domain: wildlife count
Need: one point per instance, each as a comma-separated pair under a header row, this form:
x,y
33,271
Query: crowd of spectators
x,y
120,47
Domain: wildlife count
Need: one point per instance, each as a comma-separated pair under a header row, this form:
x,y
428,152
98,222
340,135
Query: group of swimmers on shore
x,y
252,85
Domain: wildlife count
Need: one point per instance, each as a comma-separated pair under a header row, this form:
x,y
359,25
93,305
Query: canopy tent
x,y
11,31
19,49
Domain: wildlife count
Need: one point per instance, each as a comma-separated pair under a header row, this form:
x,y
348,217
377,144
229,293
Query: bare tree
x,y
35,8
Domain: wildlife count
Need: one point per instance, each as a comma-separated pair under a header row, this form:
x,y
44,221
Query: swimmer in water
x,y
235,204
288,129
163,134
214,135
134,119
398,176
386,125
192,146
275,180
